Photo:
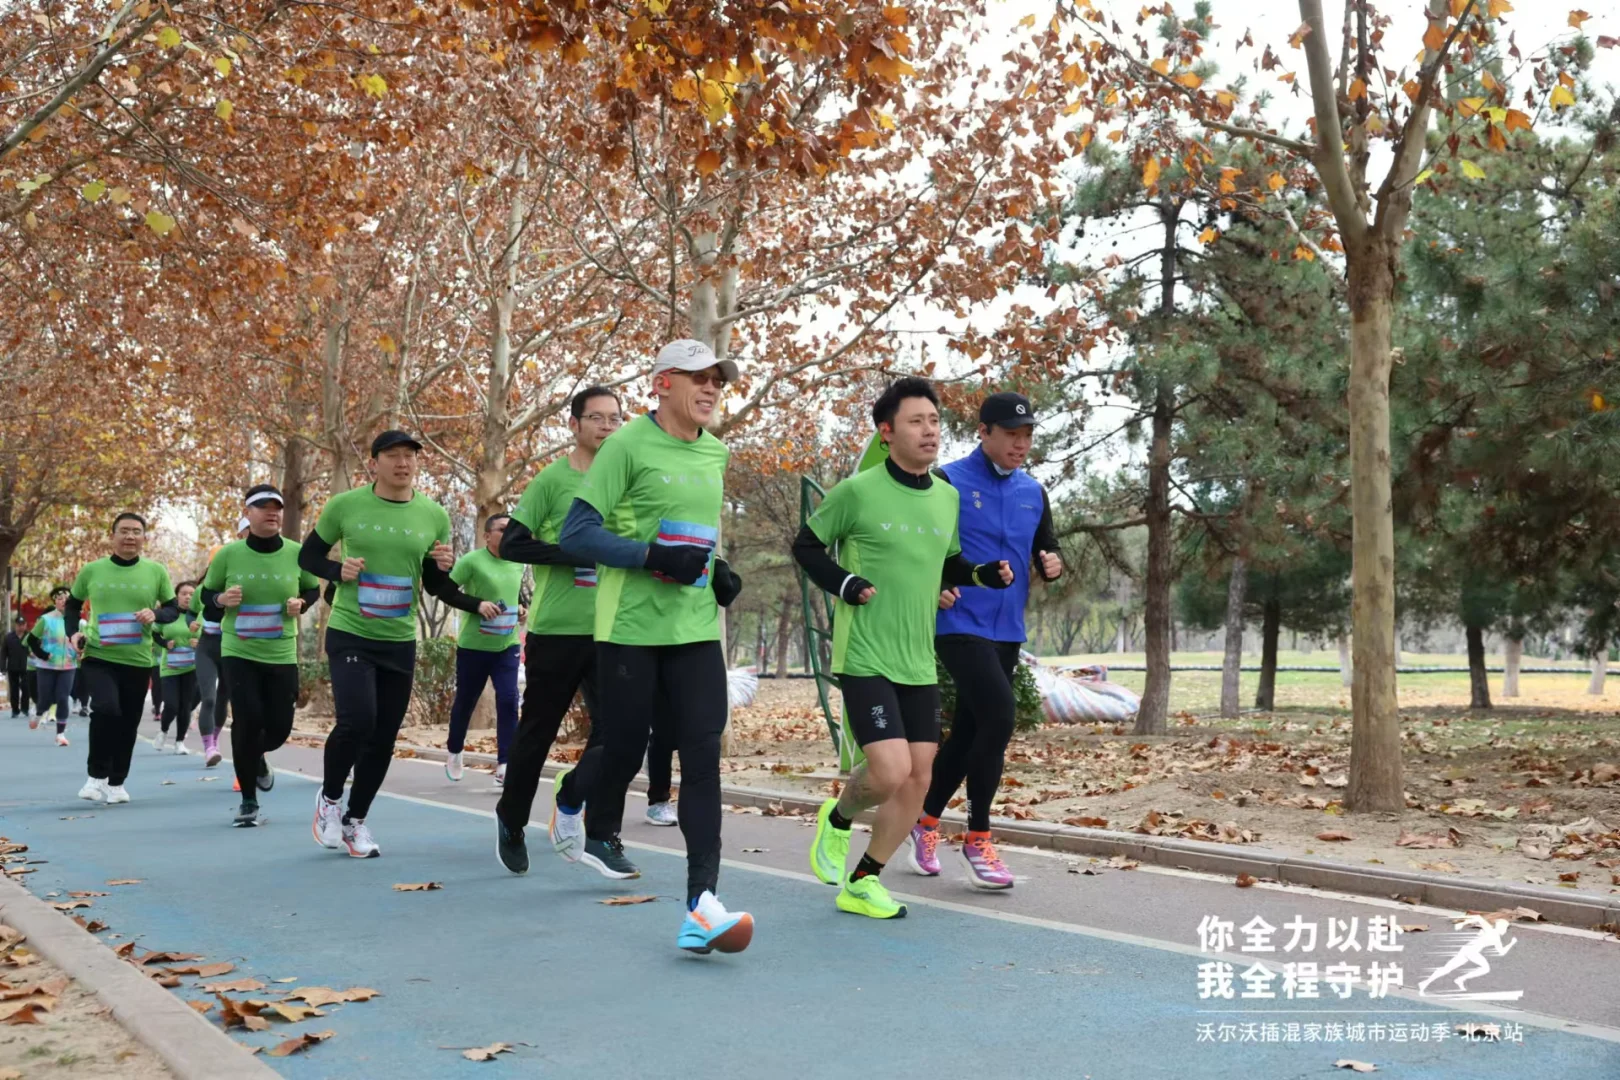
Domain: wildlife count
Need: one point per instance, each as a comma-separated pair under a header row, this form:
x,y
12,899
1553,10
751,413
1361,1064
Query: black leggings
x,y
21,692
54,687
213,687
660,761
556,667
117,696
686,686
371,689
982,727
263,697
179,702
157,691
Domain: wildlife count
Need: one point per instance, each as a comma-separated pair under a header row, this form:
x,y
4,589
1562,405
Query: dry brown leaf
x,y
1244,881
26,1010
1120,862
82,894
1334,837
126,881
317,996
1428,840
1087,822
486,1053
167,958
10,1074
1516,914
124,950
1573,875
69,905
303,1042
625,901
293,1014
1357,1066
201,1006
1414,928
423,886
237,986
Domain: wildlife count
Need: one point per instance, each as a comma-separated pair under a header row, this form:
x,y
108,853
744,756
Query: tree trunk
x,y
1512,653
1153,717
1375,739
292,489
784,634
1232,663
1600,670
1265,698
1479,683
1344,660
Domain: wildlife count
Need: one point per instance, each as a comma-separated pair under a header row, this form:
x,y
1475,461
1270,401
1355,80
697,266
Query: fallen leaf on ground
x,y
206,971
1244,881
201,1006
422,886
1450,838
124,950
26,1010
1087,822
303,1042
1357,1066
1120,862
1517,914
325,995
81,895
69,905
233,986
486,1053
240,1014
288,979
293,1014
10,1074
1442,867
126,881
1573,875
168,958
625,901
1334,837
1414,928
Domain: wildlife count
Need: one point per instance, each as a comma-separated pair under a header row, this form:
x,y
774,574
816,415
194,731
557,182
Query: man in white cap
x,y
648,515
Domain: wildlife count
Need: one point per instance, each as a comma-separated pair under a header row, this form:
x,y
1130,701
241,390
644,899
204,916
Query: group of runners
x,y
622,534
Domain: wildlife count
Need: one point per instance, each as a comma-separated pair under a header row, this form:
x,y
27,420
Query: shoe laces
x,y
930,842
986,853
362,835
614,845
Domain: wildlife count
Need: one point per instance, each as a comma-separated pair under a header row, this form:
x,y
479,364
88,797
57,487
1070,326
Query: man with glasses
x,y
648,514
559,651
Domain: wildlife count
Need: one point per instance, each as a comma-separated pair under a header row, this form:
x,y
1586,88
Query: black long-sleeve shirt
x,y
435,582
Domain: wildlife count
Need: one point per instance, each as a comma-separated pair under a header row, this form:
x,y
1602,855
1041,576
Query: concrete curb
x,y
189,1045
1564,906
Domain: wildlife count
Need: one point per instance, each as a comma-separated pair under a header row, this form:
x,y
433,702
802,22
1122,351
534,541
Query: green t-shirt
x,y
564,600
898,538
393,538
115,593
655,488
259,628
181,655
491,578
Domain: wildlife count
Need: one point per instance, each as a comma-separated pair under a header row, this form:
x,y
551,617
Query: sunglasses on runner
x,y
703,378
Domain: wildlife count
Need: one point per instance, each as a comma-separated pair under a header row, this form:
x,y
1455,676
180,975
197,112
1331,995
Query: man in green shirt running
x,y
895,527
648,515
395,543
258,586
559,650
177,667
127,594
487,649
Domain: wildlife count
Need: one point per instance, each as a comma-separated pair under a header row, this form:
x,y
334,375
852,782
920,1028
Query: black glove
x,y
684,563
853,587
988,575
727,582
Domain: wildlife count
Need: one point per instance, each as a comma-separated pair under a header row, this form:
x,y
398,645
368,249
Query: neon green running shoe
x,y
867,896
829,851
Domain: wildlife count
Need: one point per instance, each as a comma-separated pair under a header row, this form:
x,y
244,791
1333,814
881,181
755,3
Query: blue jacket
x,y
1002,517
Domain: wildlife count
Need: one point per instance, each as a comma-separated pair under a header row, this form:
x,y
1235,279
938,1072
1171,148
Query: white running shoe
x,y
116,794
500,775
61,739
567,830
328,825
359,840
180,748
662,813
453,767
158,741
33,721
94,790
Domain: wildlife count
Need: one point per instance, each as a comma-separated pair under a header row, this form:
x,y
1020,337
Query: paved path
x,y
1066,975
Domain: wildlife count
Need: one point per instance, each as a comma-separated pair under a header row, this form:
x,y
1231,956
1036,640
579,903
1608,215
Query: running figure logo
x,y
1471,950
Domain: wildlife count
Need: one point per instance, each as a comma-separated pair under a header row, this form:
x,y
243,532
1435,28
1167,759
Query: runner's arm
x,y
309,596
587,540
959,572
32,642
810,553
70,615
312,557
436,582
168,613
518,544
1045,536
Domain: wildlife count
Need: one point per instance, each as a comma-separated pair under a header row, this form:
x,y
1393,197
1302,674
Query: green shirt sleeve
x,y
444,525
462,570
534,505
608,478
213,581
833,518
80,590
165,585
329,526
307,580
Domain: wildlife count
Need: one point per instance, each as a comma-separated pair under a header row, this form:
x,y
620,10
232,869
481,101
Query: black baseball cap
x,y
20,619
58,590
390,439
1008,409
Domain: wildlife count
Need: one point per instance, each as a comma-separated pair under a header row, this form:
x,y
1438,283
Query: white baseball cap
x,y
688,354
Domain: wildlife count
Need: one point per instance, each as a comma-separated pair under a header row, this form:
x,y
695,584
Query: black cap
x,y
58,590
390,439
263,493
20,618
1008,409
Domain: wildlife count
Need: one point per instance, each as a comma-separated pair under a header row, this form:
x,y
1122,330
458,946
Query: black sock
x,y
837,820
867,865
